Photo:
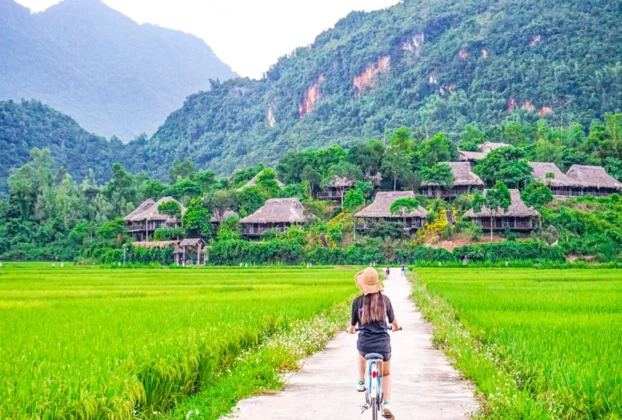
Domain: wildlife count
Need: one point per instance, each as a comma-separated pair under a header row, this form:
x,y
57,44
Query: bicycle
x,y
373,382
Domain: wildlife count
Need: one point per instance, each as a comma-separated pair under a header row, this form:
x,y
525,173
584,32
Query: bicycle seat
x,y
371,356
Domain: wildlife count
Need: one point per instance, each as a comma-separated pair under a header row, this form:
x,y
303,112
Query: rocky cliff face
x,y
438,64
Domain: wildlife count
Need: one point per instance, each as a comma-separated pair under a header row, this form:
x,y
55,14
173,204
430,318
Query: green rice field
x,y
537,343
116,343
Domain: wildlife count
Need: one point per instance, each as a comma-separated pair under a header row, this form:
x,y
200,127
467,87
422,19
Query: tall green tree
x,y
171,209
395,165
438,149
536,194
197,219
222,201
353,199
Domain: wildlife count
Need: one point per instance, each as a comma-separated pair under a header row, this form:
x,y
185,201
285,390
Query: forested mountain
x,y
428,64
113,76
26,125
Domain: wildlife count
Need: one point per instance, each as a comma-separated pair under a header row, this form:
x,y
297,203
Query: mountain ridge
x,y
114,76
434,65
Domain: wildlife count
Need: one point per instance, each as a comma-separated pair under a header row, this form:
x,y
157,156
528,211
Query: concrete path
x,y
425,386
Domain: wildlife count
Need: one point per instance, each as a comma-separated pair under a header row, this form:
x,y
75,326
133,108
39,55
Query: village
x,y
279,214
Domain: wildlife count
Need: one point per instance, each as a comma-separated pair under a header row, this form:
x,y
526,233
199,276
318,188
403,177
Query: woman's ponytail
x,y
374,309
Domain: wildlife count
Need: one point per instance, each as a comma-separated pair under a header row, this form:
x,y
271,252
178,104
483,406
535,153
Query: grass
x,y
537,343
109,343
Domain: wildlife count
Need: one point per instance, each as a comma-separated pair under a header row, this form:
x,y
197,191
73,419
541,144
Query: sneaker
x,y
386,411
360,386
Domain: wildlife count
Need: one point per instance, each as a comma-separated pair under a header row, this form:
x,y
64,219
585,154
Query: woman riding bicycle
x,y
371,312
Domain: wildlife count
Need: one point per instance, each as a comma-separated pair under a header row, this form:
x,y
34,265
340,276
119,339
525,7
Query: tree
x,y
171,209
353,199
186,190
492,201
229,229
506,164
223,201
112,233
250,199
412,180
438,149
206,179
515,173
266,182
471,138
68,201
440,174
154,189
402,138
120,191
395,165
197,219
536,194
181,170
312,178
404,206
367,156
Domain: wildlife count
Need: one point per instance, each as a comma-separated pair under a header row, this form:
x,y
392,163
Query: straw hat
x,y
367,281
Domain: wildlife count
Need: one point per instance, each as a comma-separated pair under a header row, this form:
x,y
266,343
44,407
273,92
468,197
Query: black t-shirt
x,y
373,338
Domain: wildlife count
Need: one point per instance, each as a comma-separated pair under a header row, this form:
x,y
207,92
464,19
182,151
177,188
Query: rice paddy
x,y
537,343
116,343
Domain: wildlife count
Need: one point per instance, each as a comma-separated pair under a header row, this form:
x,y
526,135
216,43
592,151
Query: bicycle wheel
x,y
374,409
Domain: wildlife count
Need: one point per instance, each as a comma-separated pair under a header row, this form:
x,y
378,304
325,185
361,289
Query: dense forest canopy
x,y
113,76
29,124
49,213
432,65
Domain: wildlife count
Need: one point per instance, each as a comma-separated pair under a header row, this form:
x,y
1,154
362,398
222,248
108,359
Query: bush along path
x,y
425,386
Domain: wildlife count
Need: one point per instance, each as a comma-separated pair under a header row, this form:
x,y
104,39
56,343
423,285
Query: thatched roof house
x,y
146,219
185,251
253,181
518,216
542,169
279,213
484,148
594,178
380,209
336,189
580,180
148,210
465,181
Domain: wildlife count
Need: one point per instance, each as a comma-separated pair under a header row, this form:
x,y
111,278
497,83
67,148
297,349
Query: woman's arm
x,y
395,325
354,319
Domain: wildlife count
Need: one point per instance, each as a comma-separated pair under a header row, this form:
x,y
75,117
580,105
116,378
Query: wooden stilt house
x,y
380,210
465,182
519,217
277,213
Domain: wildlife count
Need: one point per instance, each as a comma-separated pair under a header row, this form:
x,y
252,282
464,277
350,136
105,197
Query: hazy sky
x,y
249,35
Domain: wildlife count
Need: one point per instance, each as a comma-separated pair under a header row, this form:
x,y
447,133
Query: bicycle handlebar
x,y
388,329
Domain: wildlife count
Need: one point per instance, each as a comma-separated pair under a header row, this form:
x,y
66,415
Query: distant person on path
x,y
370,312
388,270
403,269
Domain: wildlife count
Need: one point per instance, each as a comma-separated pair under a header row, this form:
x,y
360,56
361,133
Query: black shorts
x,y
386,356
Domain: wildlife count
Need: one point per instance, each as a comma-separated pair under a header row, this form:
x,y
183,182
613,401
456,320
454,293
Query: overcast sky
x,y
249,35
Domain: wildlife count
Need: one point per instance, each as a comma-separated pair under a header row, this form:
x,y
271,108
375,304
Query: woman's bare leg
x,y
386,380
360,366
